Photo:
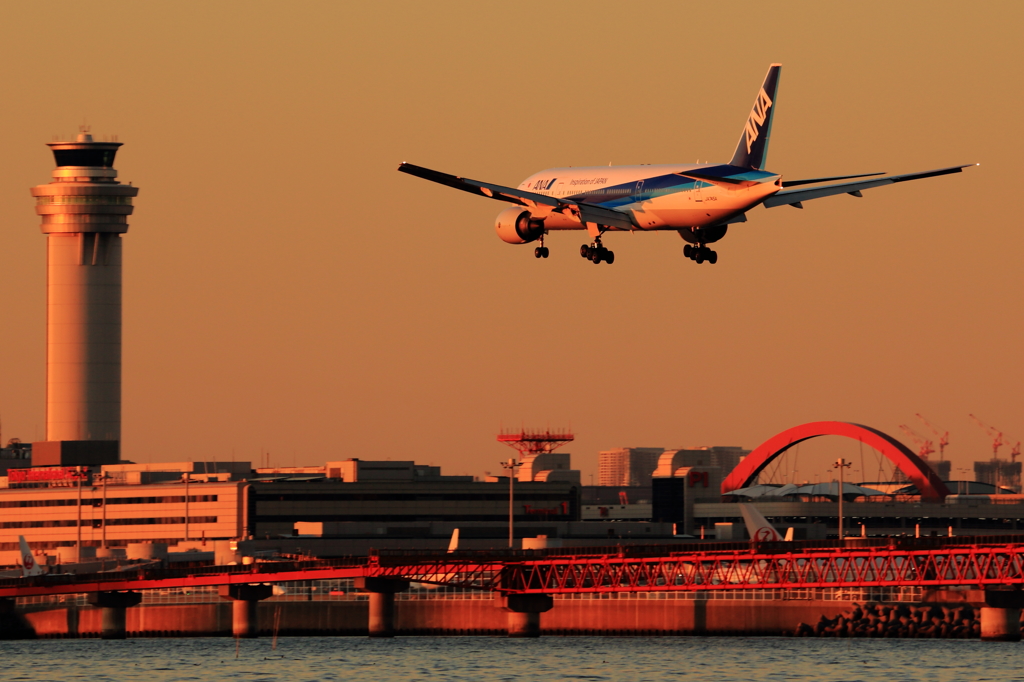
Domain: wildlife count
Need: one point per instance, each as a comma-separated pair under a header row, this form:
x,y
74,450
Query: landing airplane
x,y
699,201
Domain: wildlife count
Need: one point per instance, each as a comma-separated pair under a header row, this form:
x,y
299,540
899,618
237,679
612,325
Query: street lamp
x,y
841,464
511,465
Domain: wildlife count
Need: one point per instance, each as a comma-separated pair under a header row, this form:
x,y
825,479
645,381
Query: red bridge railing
x,y
895,562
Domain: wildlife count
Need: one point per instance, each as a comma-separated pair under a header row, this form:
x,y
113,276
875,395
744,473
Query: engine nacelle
x,y
704,235
516,226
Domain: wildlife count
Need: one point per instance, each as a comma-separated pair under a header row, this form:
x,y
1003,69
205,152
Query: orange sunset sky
x,y
287,291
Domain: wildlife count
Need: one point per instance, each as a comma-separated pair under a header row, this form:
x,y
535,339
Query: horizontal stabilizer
x,y
811,181
795,196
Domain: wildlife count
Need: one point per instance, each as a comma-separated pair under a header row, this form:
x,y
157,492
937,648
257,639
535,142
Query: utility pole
x,y
511,465
841,464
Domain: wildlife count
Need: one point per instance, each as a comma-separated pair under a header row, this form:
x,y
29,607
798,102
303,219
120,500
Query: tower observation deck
x,y
84,213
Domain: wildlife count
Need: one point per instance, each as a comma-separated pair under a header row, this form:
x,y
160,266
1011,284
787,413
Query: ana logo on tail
x,y
757,117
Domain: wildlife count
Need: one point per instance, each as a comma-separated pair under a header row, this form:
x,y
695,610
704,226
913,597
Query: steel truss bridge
x,y
993,562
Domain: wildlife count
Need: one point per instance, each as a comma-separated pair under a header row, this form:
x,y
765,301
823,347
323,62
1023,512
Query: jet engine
x,y
703,235
516,226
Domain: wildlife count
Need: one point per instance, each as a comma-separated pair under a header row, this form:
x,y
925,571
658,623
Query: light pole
x,y
511,465
841,464
188,477
103,537
78,543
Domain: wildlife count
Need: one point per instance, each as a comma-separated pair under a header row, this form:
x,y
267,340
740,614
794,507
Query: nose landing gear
x,y
700,253
596,253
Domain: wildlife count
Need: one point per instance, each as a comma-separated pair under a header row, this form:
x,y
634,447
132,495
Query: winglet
x,y
752,150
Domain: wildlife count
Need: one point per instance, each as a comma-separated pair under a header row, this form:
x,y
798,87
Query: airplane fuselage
x,y
659,197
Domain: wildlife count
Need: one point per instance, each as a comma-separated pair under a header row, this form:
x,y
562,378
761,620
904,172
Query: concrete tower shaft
x,y
85,211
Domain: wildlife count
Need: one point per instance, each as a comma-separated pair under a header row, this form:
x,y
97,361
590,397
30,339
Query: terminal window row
x,y
98,501
409,497
391,518
97,523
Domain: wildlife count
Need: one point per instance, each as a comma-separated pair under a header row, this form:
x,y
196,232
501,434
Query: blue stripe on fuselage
x,y
626,193
661,185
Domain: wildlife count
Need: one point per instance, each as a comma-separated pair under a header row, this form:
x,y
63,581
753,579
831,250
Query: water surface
x,y
300,659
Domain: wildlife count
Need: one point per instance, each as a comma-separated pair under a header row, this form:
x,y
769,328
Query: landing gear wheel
x,y
595,256
700,256
688,251
545,252
585,251
712,257
609,257
538,252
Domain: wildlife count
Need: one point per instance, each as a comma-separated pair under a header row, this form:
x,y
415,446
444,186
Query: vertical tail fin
x,y
752,151
453,544
28,562
758,526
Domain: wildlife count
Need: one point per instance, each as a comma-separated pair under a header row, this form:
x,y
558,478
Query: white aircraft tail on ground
x,y
28,561
454,543
759,528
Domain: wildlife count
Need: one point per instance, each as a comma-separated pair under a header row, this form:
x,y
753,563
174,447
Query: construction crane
x,y
995,434
924,446
1015,452
943,436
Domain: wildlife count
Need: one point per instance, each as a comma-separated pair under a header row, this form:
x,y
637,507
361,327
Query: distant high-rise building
x,y
998,473
628,466
941,469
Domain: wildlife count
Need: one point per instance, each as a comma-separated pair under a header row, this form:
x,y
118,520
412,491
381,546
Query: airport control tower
x,y
85,211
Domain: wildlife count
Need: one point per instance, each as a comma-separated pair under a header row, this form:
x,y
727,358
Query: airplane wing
x,y
586,213
794,197
484,189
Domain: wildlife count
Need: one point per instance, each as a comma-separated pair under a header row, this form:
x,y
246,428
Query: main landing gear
x,y
541,251
595,253
700,253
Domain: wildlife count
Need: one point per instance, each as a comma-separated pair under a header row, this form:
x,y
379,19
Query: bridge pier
x,y
382,603
1000,619
113,611
524,612
244,607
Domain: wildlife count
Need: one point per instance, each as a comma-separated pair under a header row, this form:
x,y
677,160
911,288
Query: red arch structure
x,y
919,473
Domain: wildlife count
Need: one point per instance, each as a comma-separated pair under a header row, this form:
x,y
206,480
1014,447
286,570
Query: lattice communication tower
x,y
535,442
